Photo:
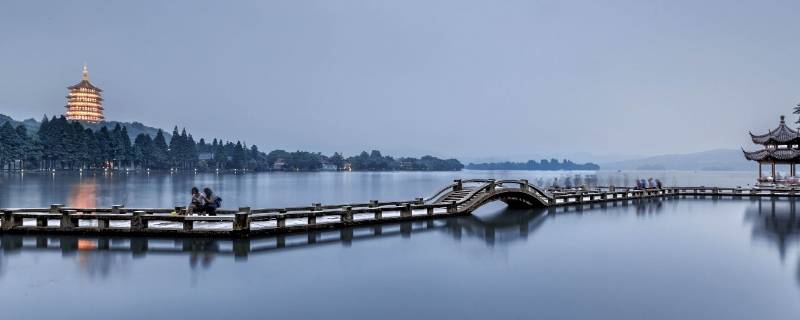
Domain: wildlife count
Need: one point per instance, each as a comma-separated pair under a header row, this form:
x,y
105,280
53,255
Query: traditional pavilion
x,y
84,102
781,147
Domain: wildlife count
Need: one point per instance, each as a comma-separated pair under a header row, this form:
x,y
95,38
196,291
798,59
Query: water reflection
x,y
100,256
775,221
84,194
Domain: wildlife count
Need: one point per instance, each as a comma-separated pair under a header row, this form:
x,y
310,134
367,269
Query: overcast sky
x,y
468,79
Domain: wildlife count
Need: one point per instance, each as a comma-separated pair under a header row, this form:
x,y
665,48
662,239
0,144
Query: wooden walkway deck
x,y
458,198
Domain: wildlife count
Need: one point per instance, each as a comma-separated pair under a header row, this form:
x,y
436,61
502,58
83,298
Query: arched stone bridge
x,y
469,195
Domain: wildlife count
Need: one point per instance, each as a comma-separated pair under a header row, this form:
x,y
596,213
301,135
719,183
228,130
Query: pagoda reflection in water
x,y
775,221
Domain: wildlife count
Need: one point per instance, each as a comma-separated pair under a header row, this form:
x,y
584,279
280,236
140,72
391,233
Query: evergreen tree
x,y
127,149
337,160
105,150
77,149
94,151
175,146
142,150
797,112
11,146
239,155
160,151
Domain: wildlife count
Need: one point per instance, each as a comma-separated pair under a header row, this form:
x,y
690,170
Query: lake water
x,y
654,259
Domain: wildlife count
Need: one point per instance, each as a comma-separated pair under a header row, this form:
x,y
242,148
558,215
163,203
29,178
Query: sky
x,y
469,79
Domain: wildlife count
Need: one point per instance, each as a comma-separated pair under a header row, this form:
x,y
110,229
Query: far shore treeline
x,y
552,164
59,144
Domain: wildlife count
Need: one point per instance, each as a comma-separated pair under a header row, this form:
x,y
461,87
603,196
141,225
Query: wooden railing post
x,y
523,184
405,211
452,208
137,223
241,220
67,221
347,214
188,225
312,218
115,209
492,185
54,209
458,185
102,223
280,221
9,221
429,211
41,222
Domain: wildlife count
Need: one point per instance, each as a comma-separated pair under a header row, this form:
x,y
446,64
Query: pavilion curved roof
x,y
781,134
772,154
84,84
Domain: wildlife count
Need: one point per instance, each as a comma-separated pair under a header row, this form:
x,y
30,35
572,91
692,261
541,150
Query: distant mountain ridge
x,y
712,160
134,128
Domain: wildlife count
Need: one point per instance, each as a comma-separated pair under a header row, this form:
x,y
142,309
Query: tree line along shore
x,y
544,165
59,144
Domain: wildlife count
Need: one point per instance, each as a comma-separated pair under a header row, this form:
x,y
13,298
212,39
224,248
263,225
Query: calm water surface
x,y
655,259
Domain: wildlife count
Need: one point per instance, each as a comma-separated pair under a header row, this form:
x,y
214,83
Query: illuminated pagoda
x,y
781,148
84,102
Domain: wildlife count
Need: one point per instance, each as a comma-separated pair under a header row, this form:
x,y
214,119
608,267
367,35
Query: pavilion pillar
x,y
773,171
759,172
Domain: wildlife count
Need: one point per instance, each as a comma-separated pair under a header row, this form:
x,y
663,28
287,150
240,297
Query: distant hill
x,y
30,124
549,165
134,128
717,160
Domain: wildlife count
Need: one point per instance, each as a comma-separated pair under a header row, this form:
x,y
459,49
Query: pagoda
x,y
781,146
84,101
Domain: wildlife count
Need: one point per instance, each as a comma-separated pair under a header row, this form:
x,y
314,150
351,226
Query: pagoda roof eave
x,y
84,84
781,134
778,155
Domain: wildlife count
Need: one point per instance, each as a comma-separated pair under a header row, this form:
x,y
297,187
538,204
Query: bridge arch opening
x,y
514,199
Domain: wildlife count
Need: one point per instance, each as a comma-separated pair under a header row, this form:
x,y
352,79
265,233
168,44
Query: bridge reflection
x,y
101,255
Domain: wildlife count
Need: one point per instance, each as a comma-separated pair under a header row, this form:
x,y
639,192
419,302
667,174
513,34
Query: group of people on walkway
x,y
648,184
203,202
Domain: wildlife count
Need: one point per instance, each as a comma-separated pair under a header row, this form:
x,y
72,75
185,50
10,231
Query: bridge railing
x,y
242,221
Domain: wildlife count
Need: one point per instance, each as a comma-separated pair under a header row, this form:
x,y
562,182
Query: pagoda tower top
x,y
85,101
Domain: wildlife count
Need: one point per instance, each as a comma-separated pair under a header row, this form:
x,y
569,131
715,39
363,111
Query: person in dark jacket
x,y
212,202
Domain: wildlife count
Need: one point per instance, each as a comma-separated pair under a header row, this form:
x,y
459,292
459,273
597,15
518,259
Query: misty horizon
x,y
511,81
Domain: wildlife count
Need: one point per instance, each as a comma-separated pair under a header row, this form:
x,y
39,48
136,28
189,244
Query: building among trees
x,y
84,101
